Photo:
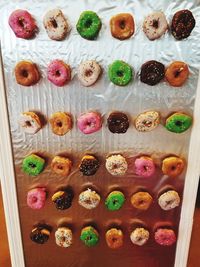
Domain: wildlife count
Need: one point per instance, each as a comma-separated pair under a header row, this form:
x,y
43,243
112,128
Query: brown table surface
x,y
193,261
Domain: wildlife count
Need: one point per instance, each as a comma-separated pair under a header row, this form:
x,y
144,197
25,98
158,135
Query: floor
x,y
193,254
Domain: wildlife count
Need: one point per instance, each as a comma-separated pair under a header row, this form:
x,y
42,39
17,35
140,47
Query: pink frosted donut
x,y
58,72
36,198
165,237
144,166
22,24
89,122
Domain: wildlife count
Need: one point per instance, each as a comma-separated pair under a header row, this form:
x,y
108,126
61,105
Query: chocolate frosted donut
x,y
89,165
40,235
63,199
183,23
118,122
152,72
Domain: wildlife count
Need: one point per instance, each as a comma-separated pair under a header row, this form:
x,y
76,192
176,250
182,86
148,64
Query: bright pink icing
x,y
144,167
58,73
22,23
165,237
36,198
89,122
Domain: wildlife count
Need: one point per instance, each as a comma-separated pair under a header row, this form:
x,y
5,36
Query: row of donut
x,y
164,236
117,122
90,199
120,73
122,25
116,164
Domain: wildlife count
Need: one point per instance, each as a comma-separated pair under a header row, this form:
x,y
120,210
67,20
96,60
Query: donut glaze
x,y
23,24
177,73
165,237
89,236
155,25
173,166
144,166
116,165
40,235
147,121
63,199
118,122
169,200
139,236
122,26
33,165
26,73
58,72
114,238
56,24
63,237
30,122
152,72
89,72
36,198
120,73
89,199
61,165
115,200
89,165
89,122
141,200
178,122
61,123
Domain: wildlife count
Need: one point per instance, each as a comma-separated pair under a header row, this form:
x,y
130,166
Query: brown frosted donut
x,y
26,73
177,73
61,165
141,200
61,123
122,26
173,166
114,238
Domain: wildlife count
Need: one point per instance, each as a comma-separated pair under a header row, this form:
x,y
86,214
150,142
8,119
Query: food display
x,y
100,100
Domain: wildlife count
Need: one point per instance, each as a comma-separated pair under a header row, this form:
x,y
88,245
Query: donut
x,y
88,72
61,123
115,200
26,73
165,237
30,122
89,165
118,122
120,73
169,200
155,25
58,72
141,200
89,236
63,237
36,198
114,238
116,165
63,199
144,166
88,25
173,166
147,121
122,26
33,165
152,72
178,122
40,235
56,24
89,199
139,236
177,73
183,22
61,165
23,24
89,122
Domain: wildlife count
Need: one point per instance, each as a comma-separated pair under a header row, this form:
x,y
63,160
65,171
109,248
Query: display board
x,y
145,156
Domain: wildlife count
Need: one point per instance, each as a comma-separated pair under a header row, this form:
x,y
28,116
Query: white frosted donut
x,y
30,122
116,165
155,25
63,237
89,199
147,121
89,72
56,24
169,200
139,236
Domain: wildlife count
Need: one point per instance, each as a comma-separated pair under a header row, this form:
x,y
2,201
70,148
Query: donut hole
x,y
54,23
179,123
58,73
59,124
173,168
122,24
155,23
34,199
31,165
89,237
21,22
60,167
88,23
114,239
88,73
120,73
24,73
28,124
147,123
115,202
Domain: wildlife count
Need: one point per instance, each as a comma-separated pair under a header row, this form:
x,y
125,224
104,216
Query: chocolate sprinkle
x,y
152,72
118,122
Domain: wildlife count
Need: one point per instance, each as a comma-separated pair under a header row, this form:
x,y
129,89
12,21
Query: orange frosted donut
x,y
177,73
61,165
61,123
26,73
173,166
114,238
122,26
141,200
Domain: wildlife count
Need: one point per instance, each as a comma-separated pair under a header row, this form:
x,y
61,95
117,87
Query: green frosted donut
x,y
33,165
178,123
115,200
120,73
88,25
89,236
